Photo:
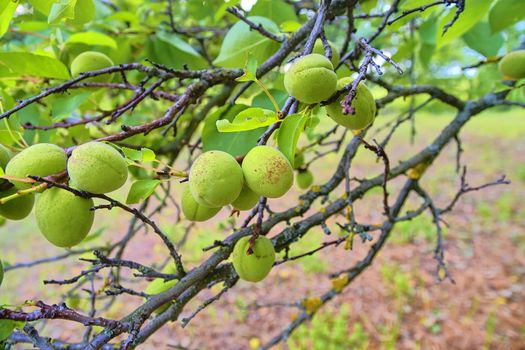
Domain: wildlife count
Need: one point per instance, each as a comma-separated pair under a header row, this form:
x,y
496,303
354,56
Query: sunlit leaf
x,y
141,189
276,10
473,13
234,143
63,9
249,119
28,64
92,38
42,6
7,10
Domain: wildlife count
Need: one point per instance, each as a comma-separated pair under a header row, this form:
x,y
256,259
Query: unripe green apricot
x,y
158,285
5,155
194,211
254,267
89,61
311,79
63,218
42,159
97,167
512,65
246,200
319,48
215,179
16,209
267,172
363,104
305,179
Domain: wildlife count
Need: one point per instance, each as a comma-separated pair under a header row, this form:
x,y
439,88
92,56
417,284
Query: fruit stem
x,y
21,193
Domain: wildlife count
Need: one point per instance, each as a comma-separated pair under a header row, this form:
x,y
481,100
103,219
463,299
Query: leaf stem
x,y
272,100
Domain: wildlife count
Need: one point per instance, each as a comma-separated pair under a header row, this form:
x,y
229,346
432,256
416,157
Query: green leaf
x,y
481,39
84,12
63,105
505,13
132,154
289,132
368,5
410,5
276,10
427,31
427,34
7,327
63,9
473,13
92,38
234,143
7,10
141,189
425,54
147,155
17,64
144,155
249,119
172,51
94,235
126,17
250,70
240,41
221,11
290,26
9,137
405,50
42,6
262,100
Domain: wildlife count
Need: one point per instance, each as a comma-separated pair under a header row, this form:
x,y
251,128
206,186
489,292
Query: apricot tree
x,y
238,102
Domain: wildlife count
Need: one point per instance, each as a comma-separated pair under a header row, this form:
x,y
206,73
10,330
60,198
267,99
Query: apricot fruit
x,y
158,285
18,208
311,79
267,172
253,267
304,179
194,211
246,200
89,61
319,49
5,155
97,167
363,104
42,159
63,218
512,65
216,179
